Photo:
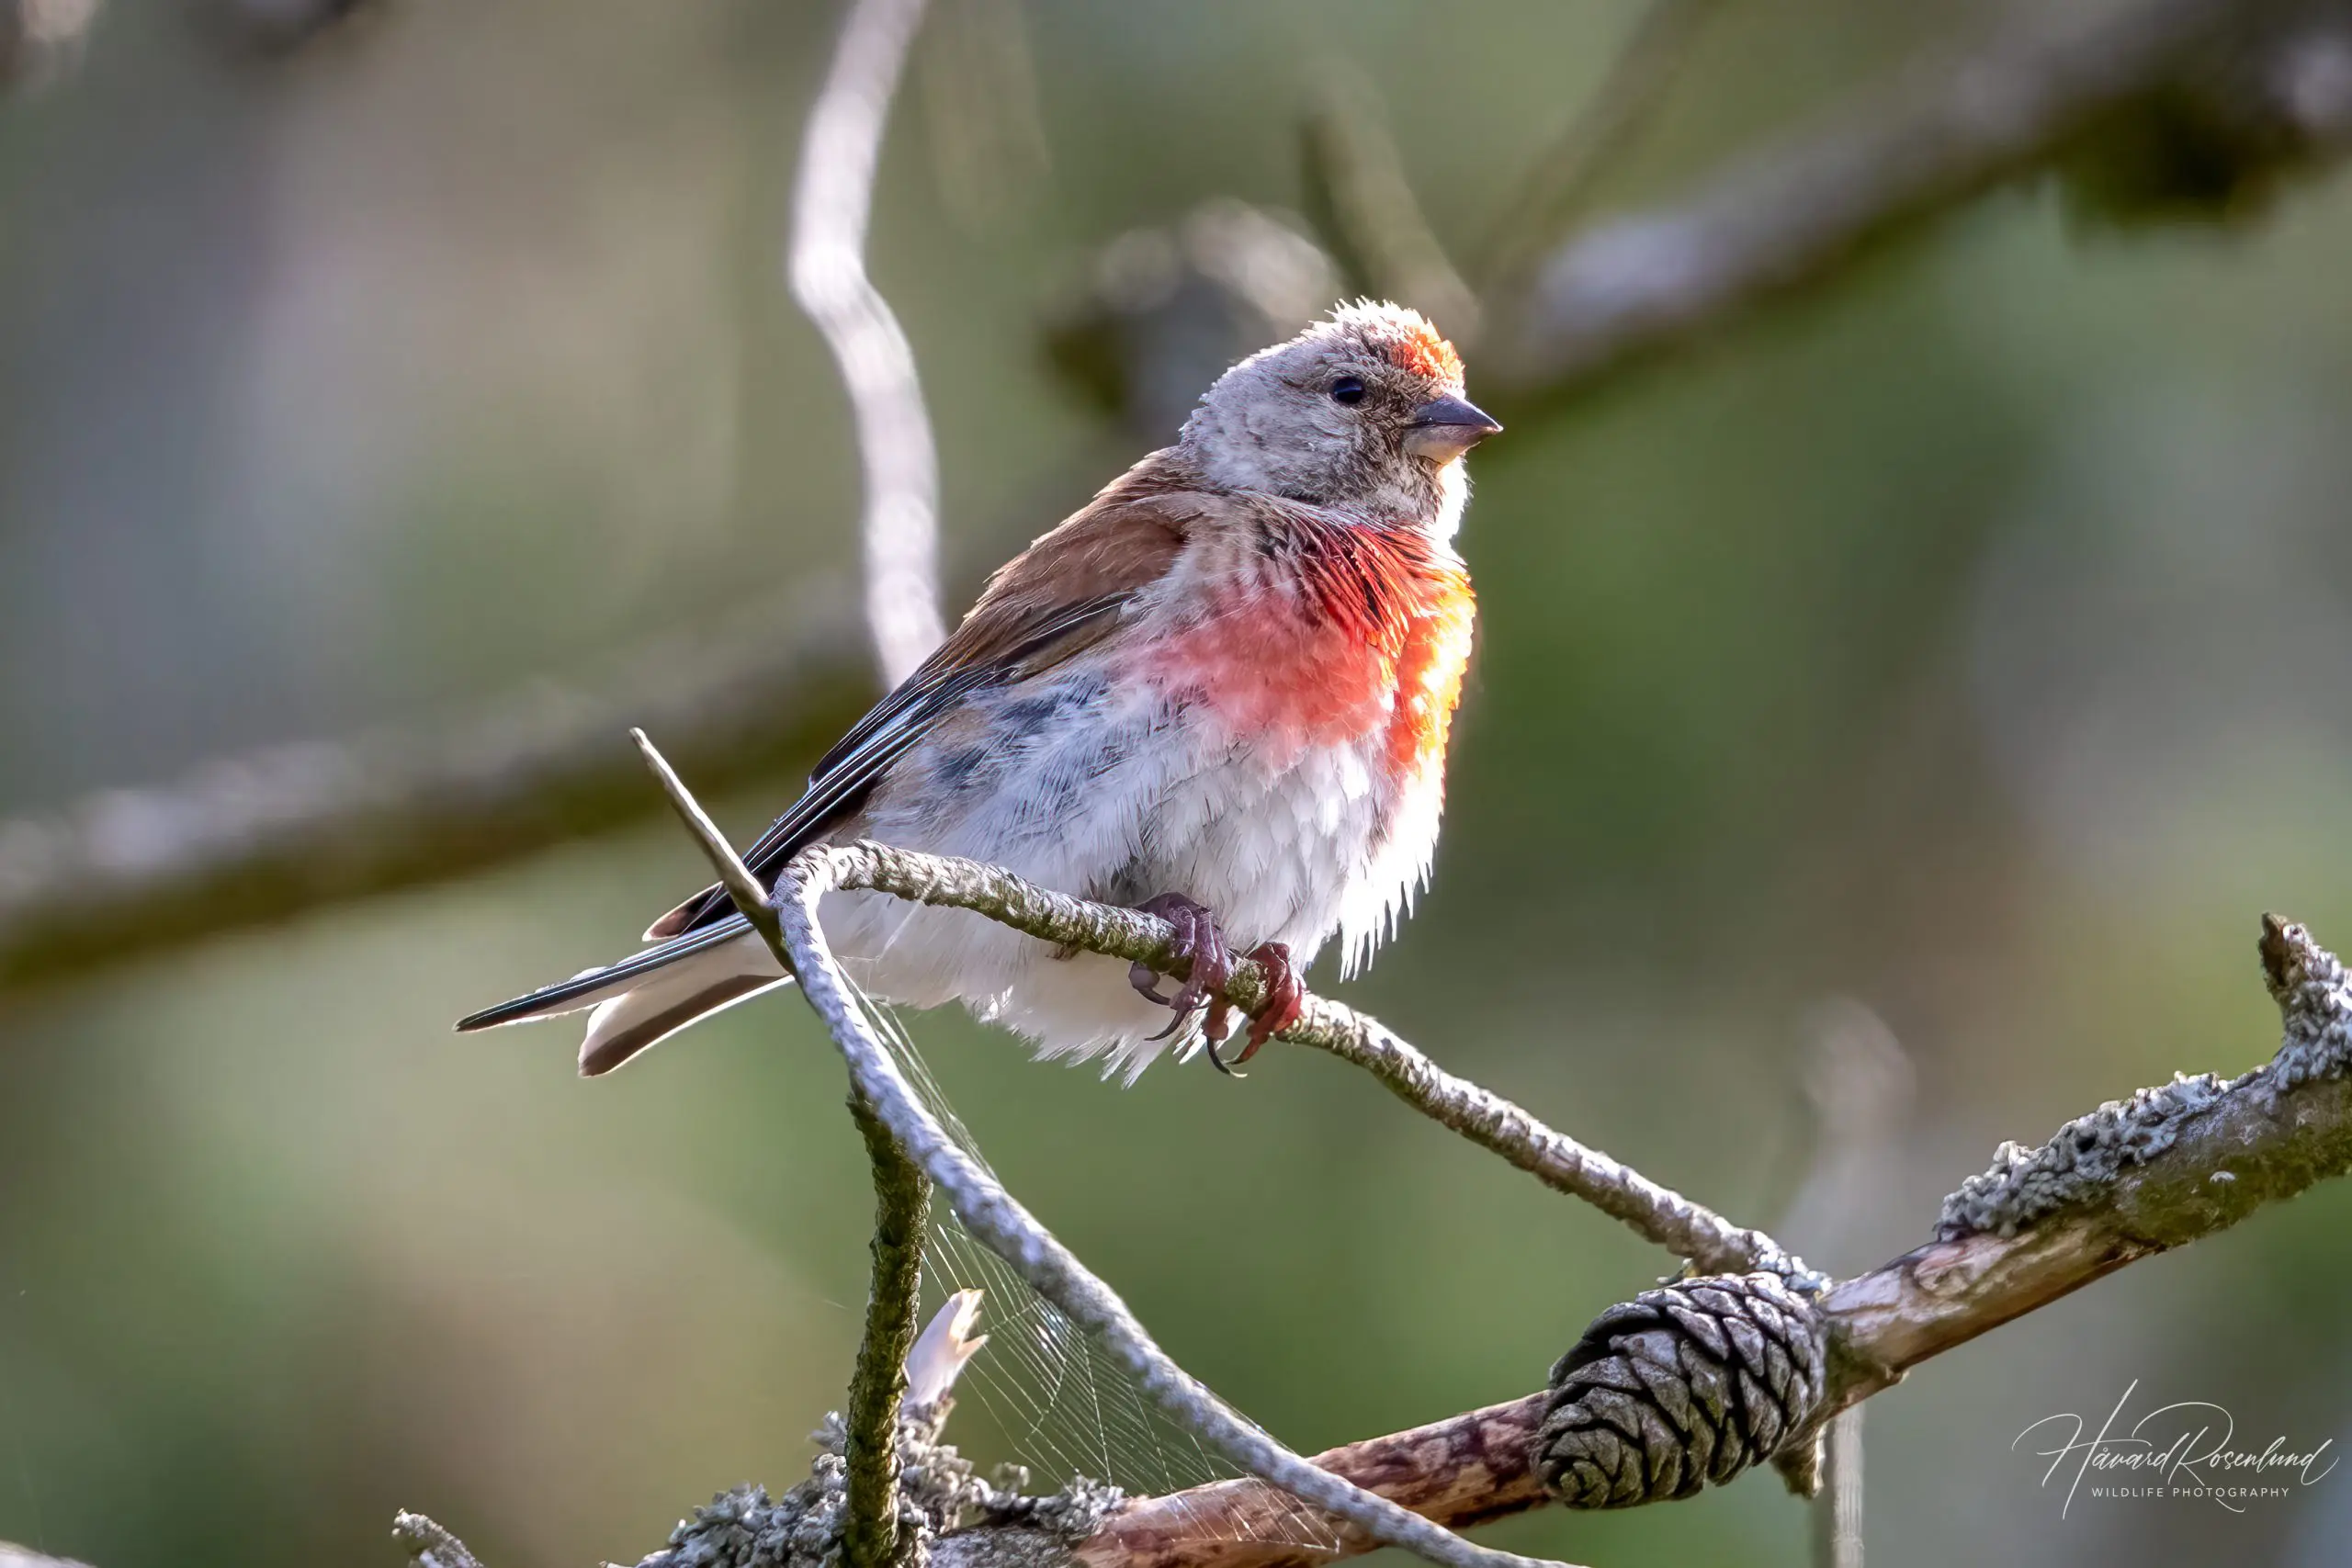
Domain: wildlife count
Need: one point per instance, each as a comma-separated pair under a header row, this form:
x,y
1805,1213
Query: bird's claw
x,y
1285,996
1200,941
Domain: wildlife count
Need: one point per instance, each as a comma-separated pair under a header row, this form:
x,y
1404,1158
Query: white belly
x,y
1121,806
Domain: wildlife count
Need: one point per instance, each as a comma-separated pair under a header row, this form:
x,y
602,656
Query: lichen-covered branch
x,y
877,1386
2138,1177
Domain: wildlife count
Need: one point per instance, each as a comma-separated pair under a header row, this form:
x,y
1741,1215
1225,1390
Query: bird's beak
x,y
1444,428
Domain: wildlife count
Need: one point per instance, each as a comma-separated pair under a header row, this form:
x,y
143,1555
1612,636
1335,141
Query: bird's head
x,y
1364,410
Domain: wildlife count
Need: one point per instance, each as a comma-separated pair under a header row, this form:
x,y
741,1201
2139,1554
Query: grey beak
x,y
1444,428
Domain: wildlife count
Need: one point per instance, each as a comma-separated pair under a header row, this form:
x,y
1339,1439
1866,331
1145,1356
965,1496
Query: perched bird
x,y
1220,692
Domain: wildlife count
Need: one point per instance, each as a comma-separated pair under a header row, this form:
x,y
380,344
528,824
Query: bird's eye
x,y
1347,390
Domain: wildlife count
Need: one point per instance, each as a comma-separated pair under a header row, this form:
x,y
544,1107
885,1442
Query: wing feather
x,y
1062,595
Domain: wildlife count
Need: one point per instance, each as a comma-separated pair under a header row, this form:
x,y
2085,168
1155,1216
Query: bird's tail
x,y
649,995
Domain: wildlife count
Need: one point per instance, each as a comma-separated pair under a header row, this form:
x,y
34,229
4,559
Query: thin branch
x,y
1658,1214
1008,1229
1801,214
832,203
1689,1230
879,1386
1610,123
251,839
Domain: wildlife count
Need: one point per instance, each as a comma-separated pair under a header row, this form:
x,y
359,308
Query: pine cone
x,y
1686,1384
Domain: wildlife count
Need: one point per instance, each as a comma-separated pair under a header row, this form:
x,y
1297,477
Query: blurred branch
x,y
877,1387
1562,181
1164,311
1799,215
1837,1512
279,28
260,838
1358,193
832,203
36,36
1859,1082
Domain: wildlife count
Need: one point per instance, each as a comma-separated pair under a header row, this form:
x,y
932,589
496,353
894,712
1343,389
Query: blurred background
x,y
1961,651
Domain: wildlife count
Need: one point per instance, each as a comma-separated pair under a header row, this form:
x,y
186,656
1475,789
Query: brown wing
x,y
1060,596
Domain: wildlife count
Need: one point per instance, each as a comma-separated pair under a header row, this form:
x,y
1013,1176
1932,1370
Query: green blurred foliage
x,y
1970,642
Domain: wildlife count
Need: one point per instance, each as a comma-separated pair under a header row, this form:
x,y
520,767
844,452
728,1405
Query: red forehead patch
x,y
1424,353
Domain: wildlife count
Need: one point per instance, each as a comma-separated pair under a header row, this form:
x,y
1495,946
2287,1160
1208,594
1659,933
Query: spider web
x,y
1065,1408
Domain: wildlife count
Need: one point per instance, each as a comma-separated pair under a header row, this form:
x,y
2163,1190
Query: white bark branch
x,y
831,204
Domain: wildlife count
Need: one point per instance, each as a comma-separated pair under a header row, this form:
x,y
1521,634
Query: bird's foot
x,y
1200,941
1285,996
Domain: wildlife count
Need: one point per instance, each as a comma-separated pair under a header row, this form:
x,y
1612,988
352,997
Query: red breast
x,y
1375,634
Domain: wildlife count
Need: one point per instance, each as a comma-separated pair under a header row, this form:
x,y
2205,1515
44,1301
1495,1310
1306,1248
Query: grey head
x,y
1362,411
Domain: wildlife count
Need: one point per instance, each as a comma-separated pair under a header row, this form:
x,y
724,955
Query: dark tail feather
x,y
601,985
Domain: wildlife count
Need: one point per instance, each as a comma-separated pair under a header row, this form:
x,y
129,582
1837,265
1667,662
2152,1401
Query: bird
x,y
1220,692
